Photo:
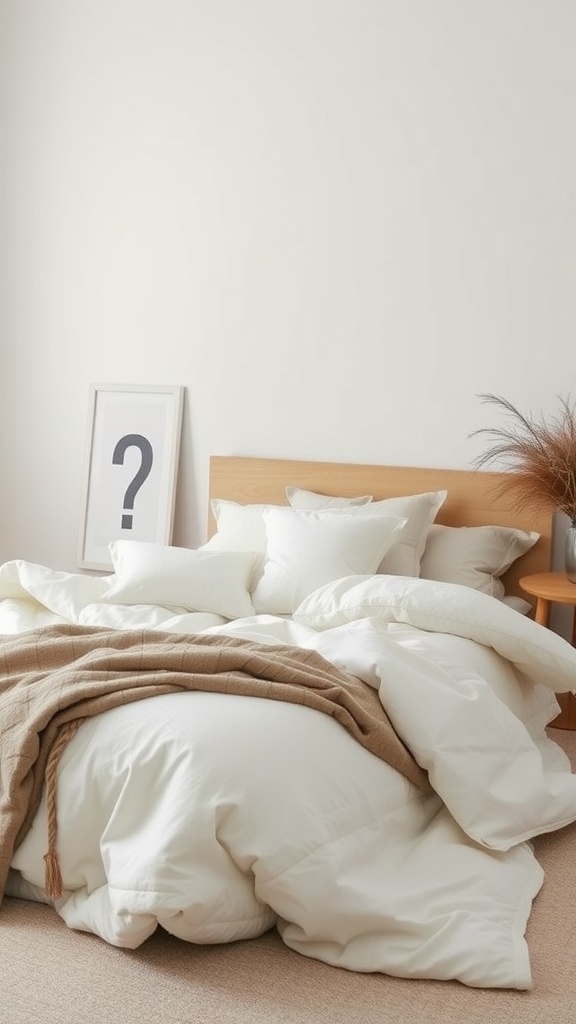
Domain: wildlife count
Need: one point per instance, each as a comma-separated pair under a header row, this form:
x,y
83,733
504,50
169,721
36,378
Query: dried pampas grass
x,y
539,454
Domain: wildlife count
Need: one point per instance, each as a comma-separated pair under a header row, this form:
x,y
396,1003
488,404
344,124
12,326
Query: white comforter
x,y
218,816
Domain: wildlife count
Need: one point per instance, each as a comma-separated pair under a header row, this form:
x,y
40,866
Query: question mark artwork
x,y
133,447
146,459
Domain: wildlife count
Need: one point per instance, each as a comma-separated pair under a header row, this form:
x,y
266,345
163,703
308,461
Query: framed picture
x,y
133,446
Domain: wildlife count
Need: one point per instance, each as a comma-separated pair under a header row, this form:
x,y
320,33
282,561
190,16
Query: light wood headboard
x,y
472,495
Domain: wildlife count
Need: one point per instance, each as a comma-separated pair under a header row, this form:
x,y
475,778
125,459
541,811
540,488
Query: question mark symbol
x,y
133,441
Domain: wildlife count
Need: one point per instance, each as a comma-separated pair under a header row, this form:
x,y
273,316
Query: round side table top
x,y
551,586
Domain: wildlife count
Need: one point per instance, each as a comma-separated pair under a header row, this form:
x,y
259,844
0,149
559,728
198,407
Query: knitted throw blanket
x,y
53,678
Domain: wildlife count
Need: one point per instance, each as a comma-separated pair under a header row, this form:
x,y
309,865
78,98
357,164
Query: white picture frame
x,y
131,465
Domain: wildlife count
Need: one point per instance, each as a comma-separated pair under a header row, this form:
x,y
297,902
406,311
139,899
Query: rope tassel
x,y
52,874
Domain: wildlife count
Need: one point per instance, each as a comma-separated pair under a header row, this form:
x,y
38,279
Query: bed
x,y
329,719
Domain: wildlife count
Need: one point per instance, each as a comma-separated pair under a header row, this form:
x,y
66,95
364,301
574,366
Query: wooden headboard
x,y
473,496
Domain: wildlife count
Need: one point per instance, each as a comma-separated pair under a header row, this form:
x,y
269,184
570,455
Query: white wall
x,y
334,221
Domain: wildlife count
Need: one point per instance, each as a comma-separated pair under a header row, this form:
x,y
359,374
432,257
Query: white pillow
x,y
475,556
197,580
307,549
238,527
312,501
419,510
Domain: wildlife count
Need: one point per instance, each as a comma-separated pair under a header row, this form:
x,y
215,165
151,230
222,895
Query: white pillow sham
x,y
475,556
419,510
308,549
197,580
313,502
238,527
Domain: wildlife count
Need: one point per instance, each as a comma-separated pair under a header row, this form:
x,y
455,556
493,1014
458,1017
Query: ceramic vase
x,y
570,552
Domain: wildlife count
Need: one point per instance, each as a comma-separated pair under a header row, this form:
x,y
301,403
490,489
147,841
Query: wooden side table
x,y
548,588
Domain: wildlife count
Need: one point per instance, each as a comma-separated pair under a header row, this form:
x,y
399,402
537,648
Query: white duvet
x,y
218,817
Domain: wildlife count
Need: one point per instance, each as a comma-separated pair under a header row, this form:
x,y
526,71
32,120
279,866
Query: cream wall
x,y
334,221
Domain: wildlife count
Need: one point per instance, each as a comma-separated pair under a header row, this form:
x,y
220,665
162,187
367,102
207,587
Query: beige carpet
x,y
53,976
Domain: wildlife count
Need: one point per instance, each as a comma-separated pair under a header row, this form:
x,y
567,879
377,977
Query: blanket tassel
x,y
52,875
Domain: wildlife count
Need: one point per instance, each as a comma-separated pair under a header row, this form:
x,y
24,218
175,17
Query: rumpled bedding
x,y
217,816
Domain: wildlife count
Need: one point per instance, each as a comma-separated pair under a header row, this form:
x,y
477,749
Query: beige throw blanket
x,y
62,674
